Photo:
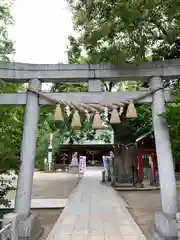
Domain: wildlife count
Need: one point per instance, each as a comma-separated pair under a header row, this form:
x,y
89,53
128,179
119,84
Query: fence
x,y
5,231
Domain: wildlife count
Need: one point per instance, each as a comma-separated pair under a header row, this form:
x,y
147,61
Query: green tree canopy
x,y
124,31
128,31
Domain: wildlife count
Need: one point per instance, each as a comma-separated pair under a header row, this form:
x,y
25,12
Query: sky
x,y
41,29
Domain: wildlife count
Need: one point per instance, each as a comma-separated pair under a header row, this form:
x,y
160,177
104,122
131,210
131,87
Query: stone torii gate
x,y
35,74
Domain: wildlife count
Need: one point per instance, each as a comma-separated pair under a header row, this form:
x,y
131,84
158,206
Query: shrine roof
x,y
86,146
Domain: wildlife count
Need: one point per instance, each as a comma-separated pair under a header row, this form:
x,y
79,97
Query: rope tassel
x,y
97,123
115,119
76,120
131,111
58,116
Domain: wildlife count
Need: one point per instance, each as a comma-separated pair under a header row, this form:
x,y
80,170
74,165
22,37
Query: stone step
x,y
136,188
123,185
42,203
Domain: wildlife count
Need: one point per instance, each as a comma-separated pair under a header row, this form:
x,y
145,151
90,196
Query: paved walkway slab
x,y
93,212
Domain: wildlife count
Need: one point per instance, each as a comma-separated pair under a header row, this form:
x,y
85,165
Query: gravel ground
x,y
50,185
142,206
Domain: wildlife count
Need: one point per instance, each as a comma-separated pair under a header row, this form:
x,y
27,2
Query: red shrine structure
x,y
146,156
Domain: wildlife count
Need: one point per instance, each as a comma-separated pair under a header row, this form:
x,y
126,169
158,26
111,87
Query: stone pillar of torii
x,y
93,101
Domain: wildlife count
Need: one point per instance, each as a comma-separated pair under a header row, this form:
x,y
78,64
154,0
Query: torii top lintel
x,y
22,72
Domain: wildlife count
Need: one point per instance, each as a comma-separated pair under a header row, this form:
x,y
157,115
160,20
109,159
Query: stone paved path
x,y
94,211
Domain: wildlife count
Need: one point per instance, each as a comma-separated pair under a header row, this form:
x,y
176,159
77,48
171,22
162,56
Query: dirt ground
x,y
142,206
47,218
50,185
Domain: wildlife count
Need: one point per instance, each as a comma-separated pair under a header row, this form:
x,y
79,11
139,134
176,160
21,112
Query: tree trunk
x,y
123,135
